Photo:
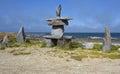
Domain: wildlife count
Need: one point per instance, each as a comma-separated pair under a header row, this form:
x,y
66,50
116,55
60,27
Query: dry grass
x,y
10,35
80,53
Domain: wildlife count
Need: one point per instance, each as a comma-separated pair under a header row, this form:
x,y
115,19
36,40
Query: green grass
x,y
75,44
20,52
2,48
43,44
79,57
79,53
28,43
97,47
111,55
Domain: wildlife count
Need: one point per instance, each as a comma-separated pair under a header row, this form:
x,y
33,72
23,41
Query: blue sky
x,y
88,15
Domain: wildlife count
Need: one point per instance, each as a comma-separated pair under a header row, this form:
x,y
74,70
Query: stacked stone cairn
x,y
21,35
56,38
107,40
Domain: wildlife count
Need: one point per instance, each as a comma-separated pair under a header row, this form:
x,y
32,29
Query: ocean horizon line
x,y
64,32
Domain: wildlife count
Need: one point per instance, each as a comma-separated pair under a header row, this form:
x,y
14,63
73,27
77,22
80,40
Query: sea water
x,y
75,35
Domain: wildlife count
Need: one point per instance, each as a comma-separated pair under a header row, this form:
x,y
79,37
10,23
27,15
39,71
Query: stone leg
x,y
54,42
60,42
64,42
67,42
48,42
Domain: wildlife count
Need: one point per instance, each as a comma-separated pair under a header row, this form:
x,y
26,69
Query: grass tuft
x,y
21,53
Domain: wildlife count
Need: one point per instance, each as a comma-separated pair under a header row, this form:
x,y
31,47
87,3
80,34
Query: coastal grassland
x,y
20,51
10,35
24,48
28,43
78,53
75,51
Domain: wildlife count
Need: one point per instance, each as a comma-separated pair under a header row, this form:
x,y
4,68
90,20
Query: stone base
x,y
62,42
106,47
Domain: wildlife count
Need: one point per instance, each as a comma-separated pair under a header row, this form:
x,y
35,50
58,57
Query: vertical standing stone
x,y
107,40
58,11
21,35
5,41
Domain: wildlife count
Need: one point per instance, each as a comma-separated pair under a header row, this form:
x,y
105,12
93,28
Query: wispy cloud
x,y
88,15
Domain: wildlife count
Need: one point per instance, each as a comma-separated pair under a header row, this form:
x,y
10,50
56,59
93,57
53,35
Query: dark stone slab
x,y
1,41
107,40
58,22
51,37
21,35
65,41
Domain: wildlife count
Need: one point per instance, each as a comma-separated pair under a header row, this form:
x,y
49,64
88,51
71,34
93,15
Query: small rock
x,y
5,41
88,45
119,49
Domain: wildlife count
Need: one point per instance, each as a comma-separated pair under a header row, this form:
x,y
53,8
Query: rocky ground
x,y
41,62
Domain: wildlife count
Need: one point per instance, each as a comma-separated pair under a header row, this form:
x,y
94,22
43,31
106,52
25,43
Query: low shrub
x,y
43,44
75,44
97,47
78,57
2,48
28,41
21,53
114,48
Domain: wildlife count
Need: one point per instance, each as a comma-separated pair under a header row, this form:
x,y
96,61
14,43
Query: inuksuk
x,y
56,38
21,35
107,40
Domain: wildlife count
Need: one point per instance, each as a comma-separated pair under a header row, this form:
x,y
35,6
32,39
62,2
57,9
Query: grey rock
x,y
58,22
58,11
5,41
1,41
48,42
57,31
88,45
107,40
21,35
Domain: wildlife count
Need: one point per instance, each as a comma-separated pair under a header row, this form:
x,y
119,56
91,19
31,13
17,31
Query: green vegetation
x,y
17,52
79,58
21,53
75,50
28,43
43,44
75,44
97,47
114,48
2,48
79,53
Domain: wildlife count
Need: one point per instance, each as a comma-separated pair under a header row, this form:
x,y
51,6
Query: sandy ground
x,y
39,62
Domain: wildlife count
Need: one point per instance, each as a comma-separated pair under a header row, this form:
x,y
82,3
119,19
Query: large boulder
x,y
57,31
21,35
107,40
